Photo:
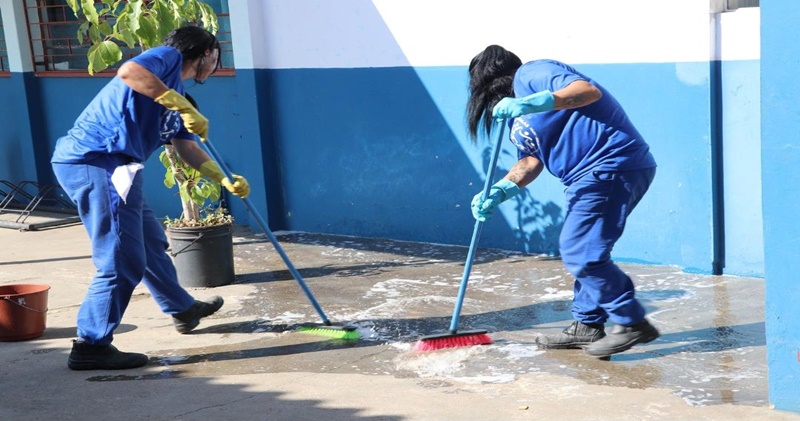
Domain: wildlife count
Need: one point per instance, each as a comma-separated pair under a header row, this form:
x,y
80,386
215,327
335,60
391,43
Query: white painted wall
x,y
389,33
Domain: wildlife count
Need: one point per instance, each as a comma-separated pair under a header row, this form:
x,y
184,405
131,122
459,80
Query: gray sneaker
x,y
189,319
622,338
575,336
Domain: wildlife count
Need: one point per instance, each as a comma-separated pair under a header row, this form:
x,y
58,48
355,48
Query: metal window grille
x,y
4,69
57,51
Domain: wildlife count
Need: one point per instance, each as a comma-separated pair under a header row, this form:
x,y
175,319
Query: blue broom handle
x,y
476,232
263,223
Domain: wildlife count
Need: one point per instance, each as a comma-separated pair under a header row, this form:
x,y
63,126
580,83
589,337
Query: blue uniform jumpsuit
x,y
120,127
607,167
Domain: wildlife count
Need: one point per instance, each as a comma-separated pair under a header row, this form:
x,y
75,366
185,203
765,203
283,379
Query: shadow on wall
x,y
542,224
536,224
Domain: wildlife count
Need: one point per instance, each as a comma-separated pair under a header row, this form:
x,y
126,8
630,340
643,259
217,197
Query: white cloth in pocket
x,y
122,178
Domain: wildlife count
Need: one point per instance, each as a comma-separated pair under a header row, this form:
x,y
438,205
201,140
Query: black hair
x,y
193,42
491,78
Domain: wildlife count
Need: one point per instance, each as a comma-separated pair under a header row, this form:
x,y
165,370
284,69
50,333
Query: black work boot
x,y
189,319
622,338
576,336
102,357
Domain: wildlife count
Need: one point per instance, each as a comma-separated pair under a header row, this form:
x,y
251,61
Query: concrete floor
x,y
247,362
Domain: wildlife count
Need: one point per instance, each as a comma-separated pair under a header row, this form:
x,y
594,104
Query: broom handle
x,y
263,223
476,232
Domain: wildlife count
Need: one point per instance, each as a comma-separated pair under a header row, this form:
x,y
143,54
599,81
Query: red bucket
x,y
23,311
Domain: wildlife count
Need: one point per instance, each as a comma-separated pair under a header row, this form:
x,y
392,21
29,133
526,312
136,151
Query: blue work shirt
x,y
572,143
121,121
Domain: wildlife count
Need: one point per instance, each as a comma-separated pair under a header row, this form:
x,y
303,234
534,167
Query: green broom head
x,y
347,333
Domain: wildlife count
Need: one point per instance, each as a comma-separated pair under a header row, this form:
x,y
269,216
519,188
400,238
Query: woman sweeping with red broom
x,y
565,122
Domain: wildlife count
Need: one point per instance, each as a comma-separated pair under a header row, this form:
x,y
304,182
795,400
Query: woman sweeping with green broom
x,y
99,162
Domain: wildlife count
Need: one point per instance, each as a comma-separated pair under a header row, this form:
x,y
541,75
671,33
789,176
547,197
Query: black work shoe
x,y
102,357
575,336
622,338
189,319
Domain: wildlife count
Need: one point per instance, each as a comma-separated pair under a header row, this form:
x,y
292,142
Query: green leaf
x,y
209,18
124,32
132,12
185,195
147,33
105,28
193,173
189,10
130,19
198,196
82,31
178,18
94,34
215,192
164,18
163,158
102,55
90,11
169,179
73,4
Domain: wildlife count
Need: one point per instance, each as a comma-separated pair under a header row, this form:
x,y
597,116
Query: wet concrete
x,y
712,327
710,362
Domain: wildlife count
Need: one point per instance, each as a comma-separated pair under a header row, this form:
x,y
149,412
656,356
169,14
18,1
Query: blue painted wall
x,y
382,152
780,123
386,156
13,134
17,151
56,102
744,244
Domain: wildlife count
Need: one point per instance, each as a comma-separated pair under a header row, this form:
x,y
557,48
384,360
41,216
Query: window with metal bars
x,y
4,69
57,51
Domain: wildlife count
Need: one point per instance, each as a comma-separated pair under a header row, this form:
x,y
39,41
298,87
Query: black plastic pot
x,y
203,256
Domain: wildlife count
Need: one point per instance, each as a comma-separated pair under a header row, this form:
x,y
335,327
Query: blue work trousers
x,y
598,205
128,246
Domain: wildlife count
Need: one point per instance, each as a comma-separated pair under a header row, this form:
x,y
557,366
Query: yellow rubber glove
x,y
192,119
238,186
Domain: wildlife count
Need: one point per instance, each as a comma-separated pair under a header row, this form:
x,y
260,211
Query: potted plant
x,y
201,239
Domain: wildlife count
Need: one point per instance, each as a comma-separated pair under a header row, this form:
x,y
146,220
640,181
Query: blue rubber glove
x,y
514,107
498,193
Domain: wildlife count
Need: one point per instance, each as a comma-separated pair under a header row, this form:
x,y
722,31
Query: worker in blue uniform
x,y
567,123
98,164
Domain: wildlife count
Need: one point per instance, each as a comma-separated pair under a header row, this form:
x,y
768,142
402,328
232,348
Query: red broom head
x,y
434,342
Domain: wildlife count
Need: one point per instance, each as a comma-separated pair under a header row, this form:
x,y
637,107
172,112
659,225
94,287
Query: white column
x,y
247,32
18,44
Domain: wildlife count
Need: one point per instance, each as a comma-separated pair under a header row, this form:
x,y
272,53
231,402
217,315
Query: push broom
x,y
326,328
453,338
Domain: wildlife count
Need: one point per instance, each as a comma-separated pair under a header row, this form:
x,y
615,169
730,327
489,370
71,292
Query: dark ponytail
x,y
491,78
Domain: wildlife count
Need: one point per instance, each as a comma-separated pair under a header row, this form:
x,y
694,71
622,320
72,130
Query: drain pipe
x,y
715,134
717,7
